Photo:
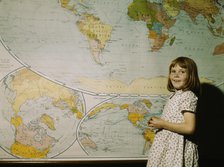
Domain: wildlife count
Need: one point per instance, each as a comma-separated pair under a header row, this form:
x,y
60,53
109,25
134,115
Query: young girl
x,y
171,148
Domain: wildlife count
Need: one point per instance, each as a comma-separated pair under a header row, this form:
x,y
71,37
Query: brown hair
x,y
193,82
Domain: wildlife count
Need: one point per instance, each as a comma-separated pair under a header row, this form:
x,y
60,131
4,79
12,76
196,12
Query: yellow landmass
x,y
87,142
147,103
149,135
102,107
141,86
47,120
66,4
134,117
94,29
16,121
124,106
27,151
97,33
79,114
30,86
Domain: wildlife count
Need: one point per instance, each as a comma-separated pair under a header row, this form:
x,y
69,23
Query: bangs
x,y
181,63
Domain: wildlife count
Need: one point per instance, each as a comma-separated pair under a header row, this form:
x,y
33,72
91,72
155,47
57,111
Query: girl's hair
x,y
193,82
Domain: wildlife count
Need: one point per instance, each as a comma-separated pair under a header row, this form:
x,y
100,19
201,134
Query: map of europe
x,y
79,79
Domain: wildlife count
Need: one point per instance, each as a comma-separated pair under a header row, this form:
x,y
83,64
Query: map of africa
x,y
80,78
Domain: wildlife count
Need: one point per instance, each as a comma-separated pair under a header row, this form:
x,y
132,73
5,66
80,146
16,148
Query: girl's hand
x,y
185,127
156,122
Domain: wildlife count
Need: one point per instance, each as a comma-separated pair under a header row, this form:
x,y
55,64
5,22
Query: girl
x,y
171,148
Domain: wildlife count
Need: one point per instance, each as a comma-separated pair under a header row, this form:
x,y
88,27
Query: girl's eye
x,y
183,71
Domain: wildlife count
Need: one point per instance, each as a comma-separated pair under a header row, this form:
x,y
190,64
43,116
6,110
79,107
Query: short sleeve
x,y
188,102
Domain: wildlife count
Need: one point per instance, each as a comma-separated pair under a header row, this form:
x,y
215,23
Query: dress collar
x,y
178,91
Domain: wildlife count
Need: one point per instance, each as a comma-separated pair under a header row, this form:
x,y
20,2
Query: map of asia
x,y
79,79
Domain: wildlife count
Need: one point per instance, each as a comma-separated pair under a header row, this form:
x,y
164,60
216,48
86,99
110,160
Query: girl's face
x,y
178,77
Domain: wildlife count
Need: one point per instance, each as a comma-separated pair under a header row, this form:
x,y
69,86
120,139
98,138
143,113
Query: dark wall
x,y
210,123
139,163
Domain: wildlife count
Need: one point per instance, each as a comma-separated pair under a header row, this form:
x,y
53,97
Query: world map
x,y
80,78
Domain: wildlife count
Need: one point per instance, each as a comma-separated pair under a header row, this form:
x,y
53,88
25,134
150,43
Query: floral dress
x,y
171,149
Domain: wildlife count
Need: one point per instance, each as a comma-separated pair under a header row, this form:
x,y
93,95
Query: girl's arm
x,y
187,127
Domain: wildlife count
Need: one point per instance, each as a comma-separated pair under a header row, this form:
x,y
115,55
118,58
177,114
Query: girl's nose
x,y
176,75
